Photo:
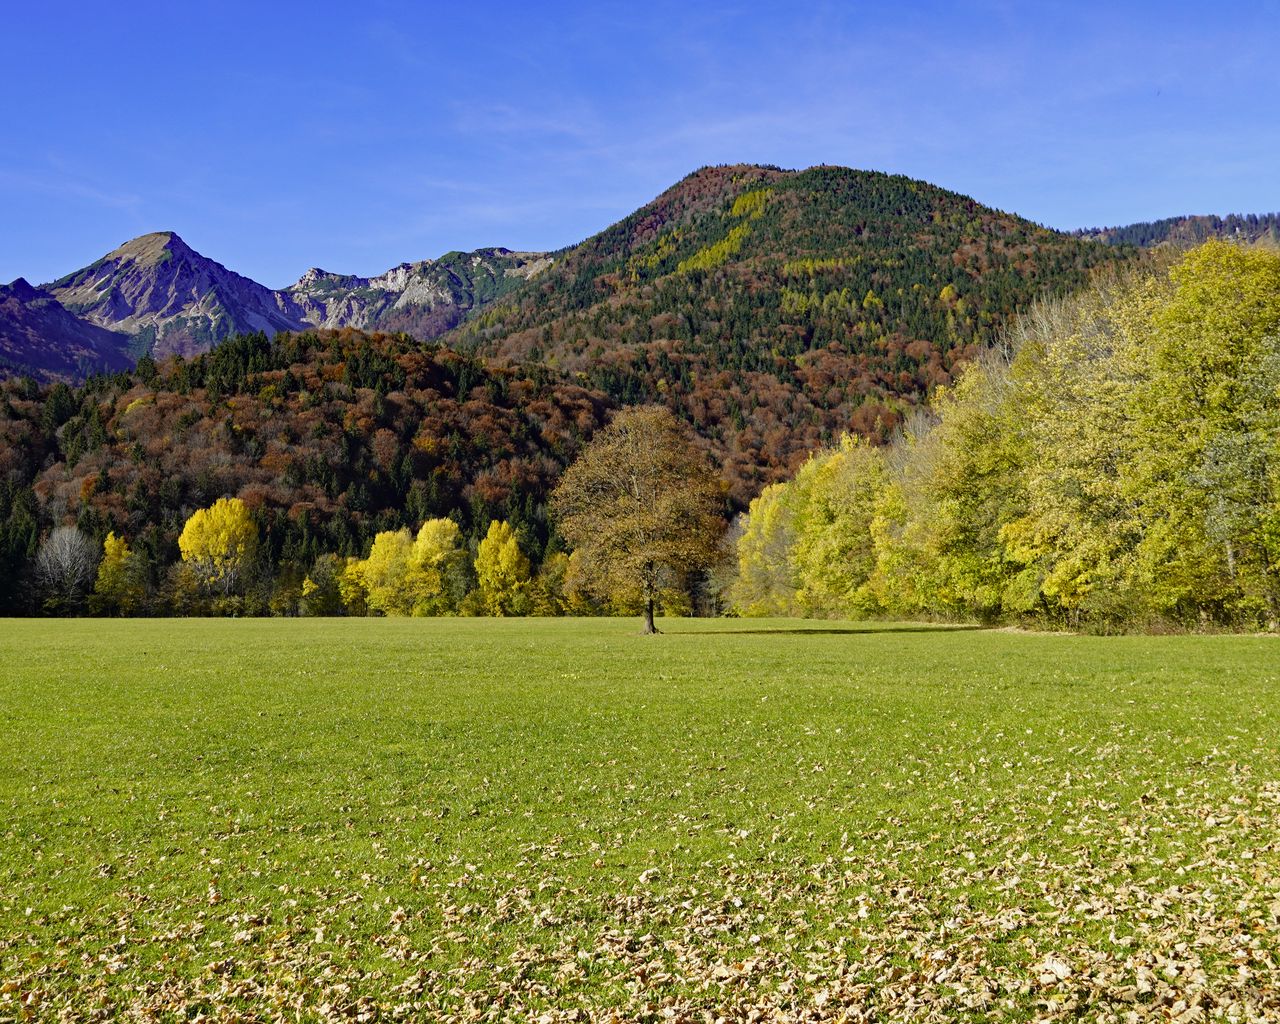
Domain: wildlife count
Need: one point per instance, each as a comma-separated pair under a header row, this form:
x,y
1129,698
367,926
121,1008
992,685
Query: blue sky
x,y
277,136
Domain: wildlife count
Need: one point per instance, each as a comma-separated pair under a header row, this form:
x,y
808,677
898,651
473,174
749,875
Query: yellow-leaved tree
x,y
219,543
351,587
502,571
766,583
385,573
436,564
119,588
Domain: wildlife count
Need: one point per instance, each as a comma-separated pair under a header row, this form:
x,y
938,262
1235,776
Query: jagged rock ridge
x,y
160,291
424,299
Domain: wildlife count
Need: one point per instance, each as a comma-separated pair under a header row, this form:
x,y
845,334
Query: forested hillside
x,y
1118,469
775,309
328,437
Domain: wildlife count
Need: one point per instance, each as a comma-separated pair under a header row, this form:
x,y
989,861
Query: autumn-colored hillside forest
x,y
776,309
778,314
1115,465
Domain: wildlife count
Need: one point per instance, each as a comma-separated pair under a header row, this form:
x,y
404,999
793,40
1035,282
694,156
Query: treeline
x,y
329,439
1191,230
224,570
1115,466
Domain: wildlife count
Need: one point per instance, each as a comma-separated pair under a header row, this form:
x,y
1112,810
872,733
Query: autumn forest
x,y
849,327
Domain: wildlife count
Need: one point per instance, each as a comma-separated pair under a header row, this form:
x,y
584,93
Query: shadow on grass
x,y
821,630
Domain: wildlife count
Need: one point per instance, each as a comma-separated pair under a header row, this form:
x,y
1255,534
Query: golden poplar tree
x,y
502,571
219,544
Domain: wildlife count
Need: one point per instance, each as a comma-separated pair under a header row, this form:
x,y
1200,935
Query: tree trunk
x,y
649,628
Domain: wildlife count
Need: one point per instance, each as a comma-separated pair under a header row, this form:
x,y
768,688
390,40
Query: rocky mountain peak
x,y
316,279
397,278
152,249
21,289
312,275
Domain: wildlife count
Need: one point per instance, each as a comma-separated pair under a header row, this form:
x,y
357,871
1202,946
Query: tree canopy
x,y
642,507
219,543
1119,467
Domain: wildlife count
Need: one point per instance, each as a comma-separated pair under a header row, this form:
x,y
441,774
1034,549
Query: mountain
x,y
774,309
171,299
1190,230
41,339
423,299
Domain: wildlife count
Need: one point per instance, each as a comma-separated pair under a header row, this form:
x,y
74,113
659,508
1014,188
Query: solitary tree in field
x,y
641,506
219,544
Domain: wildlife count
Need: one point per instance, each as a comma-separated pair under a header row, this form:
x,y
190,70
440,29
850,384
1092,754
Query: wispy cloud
x,y
60,186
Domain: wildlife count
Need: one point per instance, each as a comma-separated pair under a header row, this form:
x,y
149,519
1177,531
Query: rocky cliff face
x,y
38,337
171,299
424,298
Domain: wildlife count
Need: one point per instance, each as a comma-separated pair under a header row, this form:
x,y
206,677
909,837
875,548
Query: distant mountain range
x,y
833,271
157,295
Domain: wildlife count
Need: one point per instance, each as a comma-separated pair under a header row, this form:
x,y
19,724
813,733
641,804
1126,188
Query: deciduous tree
x,y
65,568
766,584
219,544
119,588
641,506
502,571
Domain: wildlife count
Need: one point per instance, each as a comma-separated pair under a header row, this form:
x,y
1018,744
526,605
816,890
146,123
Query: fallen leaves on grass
x,y
886,928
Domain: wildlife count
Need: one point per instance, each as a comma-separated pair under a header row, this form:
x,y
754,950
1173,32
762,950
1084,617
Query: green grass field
x,y
511,819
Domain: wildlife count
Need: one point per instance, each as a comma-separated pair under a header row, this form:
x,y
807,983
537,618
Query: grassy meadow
x,y
477,819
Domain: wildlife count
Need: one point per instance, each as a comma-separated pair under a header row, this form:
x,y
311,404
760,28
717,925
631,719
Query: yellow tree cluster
x,y
404,574
430,574
1118,465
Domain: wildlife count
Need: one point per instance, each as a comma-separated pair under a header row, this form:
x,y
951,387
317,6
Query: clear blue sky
x,y
276,136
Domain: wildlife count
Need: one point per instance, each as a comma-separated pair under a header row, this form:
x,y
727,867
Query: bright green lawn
x,y
497,819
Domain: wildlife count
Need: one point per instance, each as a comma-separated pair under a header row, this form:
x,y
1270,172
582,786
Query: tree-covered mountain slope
x,y
329,437
776,308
